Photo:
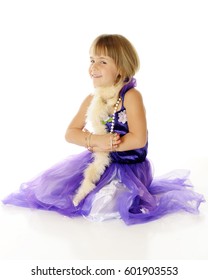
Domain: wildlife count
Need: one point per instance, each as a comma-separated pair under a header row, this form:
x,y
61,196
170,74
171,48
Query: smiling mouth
x,y
96,76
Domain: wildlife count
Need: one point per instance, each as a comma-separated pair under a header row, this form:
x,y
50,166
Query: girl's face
x,y
103,71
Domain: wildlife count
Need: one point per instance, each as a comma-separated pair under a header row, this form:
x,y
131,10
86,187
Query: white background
x,y
44,77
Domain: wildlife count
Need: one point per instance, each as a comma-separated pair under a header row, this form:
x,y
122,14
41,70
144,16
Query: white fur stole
x,y
100,108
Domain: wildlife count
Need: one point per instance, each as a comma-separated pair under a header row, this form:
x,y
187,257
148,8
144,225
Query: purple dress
x,y
126,190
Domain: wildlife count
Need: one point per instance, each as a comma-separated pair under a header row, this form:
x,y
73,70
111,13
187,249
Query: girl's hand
x,y
107,142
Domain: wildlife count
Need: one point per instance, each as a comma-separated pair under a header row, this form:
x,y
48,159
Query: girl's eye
x,y
92,61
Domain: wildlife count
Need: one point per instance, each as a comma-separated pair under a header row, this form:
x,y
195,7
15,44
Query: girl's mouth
x,y
96,76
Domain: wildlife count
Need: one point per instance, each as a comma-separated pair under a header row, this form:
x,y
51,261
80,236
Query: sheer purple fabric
x,y
142,198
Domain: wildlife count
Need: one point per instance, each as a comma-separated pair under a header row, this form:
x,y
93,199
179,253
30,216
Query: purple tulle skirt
x,y
125,191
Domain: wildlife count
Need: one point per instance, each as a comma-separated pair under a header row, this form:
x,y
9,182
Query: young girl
x,y
112,178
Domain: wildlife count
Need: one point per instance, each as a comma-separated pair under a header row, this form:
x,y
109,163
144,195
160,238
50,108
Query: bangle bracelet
x,y
111,142
86,137
88,141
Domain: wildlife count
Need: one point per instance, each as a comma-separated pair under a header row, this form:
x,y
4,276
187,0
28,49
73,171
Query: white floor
x,y
35,234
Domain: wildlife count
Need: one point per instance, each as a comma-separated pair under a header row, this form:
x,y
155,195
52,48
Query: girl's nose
x,y
94,68
94,65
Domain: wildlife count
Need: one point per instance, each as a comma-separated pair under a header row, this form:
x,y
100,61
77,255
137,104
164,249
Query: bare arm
x,y
136,117
74,133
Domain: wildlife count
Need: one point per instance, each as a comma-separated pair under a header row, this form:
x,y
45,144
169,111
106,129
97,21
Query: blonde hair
x,y
121,51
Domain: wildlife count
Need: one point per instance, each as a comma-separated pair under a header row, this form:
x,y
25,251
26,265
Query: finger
x,y
116,142
116,135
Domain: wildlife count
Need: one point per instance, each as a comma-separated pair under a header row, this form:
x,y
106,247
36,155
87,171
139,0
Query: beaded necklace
x,y
114,112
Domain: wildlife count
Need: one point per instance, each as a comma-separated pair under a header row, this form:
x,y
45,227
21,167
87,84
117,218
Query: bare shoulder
x,y
79,119
86,102
133,97
84,105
